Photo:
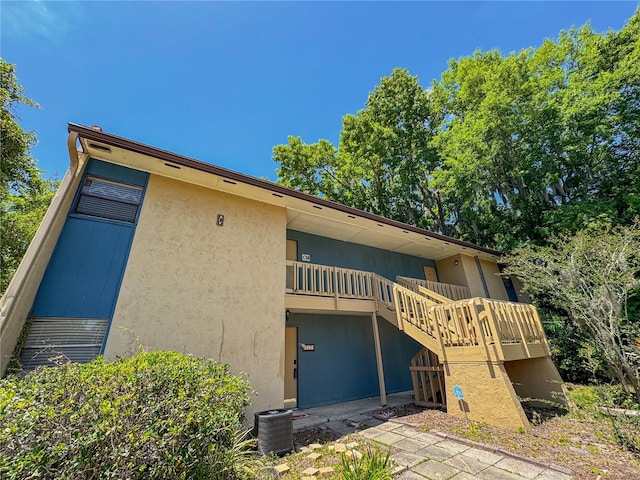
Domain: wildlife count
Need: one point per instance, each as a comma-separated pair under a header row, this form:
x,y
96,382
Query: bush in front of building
x,y
155,415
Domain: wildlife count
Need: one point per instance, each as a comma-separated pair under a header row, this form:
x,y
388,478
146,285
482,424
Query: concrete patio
x,y
329,415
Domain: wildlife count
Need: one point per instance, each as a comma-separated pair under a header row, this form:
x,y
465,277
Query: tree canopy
x,y
501,150
25,194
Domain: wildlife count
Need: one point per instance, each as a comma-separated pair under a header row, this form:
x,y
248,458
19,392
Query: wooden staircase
x,y
469,329
475,342
427,375
473,329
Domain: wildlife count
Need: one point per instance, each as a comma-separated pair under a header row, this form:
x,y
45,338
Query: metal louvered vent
x,y
51,340
111,200
103,208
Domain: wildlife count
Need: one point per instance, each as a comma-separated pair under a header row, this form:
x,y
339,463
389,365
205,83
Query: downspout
x,y
18,299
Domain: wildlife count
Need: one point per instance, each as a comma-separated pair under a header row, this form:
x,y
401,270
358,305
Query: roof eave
x,y
141,148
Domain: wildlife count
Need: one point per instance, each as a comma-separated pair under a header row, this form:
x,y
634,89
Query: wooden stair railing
x,y
429,317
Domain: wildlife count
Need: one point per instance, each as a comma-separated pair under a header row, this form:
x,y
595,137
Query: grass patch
x,y
372,465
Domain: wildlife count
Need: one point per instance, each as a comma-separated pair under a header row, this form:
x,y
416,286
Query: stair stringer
x,y
388,314
424,339
469,367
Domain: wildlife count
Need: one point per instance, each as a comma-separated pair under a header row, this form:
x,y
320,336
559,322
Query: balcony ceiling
x,y
363,231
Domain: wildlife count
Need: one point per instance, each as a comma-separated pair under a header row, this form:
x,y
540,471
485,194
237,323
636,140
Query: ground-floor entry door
x,y
291,367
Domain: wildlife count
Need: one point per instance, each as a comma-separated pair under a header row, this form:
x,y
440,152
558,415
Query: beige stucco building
x,y
315,302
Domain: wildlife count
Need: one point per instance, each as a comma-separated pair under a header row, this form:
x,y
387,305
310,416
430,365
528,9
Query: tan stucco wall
x,y
537,379
494,280
488,394
474,280
20,294
449,272
464,273
194,287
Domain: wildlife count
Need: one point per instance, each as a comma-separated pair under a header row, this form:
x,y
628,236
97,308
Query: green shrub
x,y
586,400
626,431
577,357
625,428
614,396
373,465
154,415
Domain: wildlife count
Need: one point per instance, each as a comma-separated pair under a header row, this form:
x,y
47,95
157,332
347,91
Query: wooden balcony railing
x,y
323,280
417,287
447,290
470,322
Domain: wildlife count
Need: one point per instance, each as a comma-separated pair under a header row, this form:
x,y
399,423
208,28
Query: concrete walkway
x,y
421,455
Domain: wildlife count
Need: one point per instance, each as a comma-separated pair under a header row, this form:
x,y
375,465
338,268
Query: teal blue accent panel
x,y
397,351
116,172
326,251
343,365
84,273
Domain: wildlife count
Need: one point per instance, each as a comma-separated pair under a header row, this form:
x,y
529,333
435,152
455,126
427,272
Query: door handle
x,y
295,373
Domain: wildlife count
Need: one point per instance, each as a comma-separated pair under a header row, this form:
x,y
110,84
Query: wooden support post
x,y
497,338
376,340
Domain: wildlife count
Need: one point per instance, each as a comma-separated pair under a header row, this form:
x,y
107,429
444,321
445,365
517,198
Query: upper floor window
x,y
107,199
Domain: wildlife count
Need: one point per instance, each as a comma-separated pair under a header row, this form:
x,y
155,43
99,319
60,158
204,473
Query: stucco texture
x,y
466,273
488,394
450,272
537,381
212,291
494,280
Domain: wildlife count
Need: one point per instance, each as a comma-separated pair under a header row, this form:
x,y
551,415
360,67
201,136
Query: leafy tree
x,y
501,150
544,140
591,276
384,163
601,130
386,146
310,168
25,195
573,350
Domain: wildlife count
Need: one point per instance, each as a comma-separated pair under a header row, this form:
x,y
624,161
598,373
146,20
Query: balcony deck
x,y
465,329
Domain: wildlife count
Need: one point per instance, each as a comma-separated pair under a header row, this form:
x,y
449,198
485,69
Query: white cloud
x,y
38,18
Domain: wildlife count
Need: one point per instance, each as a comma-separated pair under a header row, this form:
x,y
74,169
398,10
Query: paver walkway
x,y
424,455
432,455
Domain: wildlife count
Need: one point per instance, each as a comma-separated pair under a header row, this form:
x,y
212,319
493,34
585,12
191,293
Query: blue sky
x,y
224,82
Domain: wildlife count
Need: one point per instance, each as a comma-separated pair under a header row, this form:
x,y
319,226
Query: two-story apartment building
x,y
317,302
